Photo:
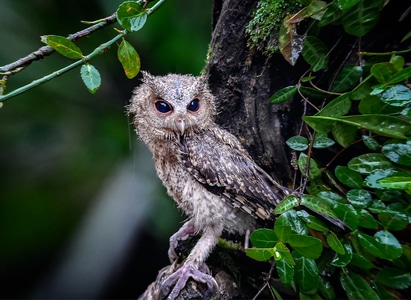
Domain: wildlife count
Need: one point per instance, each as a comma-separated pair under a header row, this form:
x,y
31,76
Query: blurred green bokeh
x,y
59,143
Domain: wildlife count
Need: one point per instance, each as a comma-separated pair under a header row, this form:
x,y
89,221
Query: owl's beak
x,y
180,124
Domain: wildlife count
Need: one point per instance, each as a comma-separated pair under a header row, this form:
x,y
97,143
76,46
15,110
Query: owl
x,y
204,168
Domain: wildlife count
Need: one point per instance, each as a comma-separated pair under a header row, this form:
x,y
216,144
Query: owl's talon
x,y
182,234
180,277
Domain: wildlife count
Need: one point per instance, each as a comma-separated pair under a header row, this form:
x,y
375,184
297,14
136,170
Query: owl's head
x,y
172,104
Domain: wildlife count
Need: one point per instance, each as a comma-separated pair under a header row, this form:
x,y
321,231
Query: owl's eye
x,y
162,106
194,105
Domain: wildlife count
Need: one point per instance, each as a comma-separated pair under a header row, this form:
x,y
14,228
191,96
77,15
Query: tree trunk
x,y
243,82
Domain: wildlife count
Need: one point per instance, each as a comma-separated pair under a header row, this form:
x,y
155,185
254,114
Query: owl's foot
x,y
180,277
182,234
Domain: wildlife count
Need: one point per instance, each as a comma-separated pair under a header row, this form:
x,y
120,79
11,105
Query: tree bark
x,y
243,82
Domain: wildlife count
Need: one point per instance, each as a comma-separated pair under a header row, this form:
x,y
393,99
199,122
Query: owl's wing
x,y
226,170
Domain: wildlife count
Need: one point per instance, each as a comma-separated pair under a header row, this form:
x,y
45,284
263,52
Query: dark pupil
x,y
162,107
194,105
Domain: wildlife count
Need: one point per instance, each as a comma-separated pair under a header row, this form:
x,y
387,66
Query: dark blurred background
x,y
82,214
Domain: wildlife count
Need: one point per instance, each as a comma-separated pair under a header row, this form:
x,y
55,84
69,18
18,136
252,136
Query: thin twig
x,y
23,62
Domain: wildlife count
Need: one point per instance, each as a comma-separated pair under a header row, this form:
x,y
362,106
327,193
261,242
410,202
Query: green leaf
x,y
333,14
315,53
346,78
298,226
259,254
398,95
394,217
306,274
131,15
388,244
363,89
286,204
321,141
285,271
317,205
344,258
284,253
356,287
91,77
307,246
372,180
312,93
314,172
370,142
377,247
367,220
383,125
264,238
335,244
298,143
402,75
361,262
344,134
398,153
398,63
347,214
373,105
396,182
394,278
361,18
359,198
337,107
129,59
347,4
63,46
349,177
366,163
383,71
282,228
283,95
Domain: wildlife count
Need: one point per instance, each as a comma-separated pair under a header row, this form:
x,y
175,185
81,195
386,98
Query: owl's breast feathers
x,y
216,159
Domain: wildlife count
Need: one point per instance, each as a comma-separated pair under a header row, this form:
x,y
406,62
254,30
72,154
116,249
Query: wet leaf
x,y
359,198
394,278
398,153
321,141
306,274
286,204
366,163
349,177
398,95
356,287
298,143
307,246
285,271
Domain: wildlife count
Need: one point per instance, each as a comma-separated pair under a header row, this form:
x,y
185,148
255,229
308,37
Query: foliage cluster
x,y
364,119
